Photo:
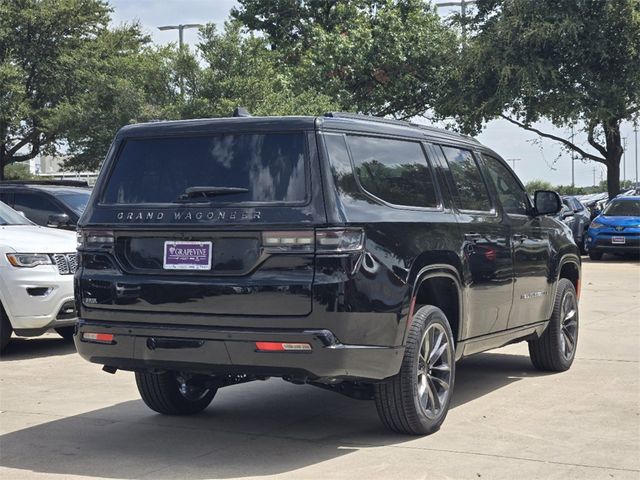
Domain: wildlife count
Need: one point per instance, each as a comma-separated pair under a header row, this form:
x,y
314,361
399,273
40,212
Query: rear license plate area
x,y
187,255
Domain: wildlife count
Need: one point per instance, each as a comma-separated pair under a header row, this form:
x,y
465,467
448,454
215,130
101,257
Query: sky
x,y
534,159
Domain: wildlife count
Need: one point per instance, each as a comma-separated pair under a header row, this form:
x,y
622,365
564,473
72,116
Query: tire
x,y
595,255
583,243
66,332
162,393
5,329
556,348
412,402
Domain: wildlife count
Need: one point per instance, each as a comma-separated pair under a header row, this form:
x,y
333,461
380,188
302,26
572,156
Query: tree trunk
x,y
613,142
2,155
613,176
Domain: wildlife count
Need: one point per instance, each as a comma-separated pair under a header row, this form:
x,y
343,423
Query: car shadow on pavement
x,y
28,348
255,429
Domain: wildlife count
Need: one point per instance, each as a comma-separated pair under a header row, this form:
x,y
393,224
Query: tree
x,y
62,86
385,57
571,62
240,70
532,185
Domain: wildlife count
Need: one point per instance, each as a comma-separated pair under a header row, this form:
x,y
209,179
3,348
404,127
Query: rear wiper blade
x,y
204,192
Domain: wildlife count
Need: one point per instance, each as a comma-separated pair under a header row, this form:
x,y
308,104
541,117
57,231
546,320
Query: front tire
x,y
555,350
66,332
595,255
170,394
416,400
5,329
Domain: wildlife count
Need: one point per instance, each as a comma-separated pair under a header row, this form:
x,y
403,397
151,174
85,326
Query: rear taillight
x,y
323,240
288,241
95,238
339,240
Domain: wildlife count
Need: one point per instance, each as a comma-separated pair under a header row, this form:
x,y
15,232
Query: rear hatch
x,y
210,223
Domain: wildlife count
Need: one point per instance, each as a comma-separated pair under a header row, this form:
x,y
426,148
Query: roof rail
x,y
391,121
368,118
61,183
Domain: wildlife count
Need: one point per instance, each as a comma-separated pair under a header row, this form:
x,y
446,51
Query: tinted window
x,y
512,196
75,201
36,207
340,163
395,171
271,167
469,189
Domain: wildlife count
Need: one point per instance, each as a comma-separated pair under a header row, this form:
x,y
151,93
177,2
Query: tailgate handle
x,y
172,343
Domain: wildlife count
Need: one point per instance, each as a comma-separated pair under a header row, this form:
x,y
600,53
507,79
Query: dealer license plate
x,y
187,255
618,240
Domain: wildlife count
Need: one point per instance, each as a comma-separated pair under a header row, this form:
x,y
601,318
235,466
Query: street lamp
x,y
180,29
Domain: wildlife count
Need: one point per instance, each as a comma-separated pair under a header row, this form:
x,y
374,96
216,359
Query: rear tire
x,y
5,329
164,393
416,400
594,255
556,348
66,332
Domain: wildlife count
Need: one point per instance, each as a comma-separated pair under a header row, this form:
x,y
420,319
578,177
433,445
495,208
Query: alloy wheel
x,y
434,370
569,325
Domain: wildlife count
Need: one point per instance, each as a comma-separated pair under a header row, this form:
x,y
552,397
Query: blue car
x,y
616,229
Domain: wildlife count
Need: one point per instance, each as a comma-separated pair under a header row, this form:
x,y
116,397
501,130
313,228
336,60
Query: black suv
x,y
360,255
50,203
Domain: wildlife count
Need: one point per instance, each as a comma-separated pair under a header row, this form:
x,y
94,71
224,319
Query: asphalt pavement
x,y
61,417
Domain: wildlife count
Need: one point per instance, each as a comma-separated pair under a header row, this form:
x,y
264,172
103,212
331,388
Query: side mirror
x,y
58,220
566,213
547,202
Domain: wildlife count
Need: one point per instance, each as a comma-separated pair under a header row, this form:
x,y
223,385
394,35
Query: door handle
x,y
472,237
519,237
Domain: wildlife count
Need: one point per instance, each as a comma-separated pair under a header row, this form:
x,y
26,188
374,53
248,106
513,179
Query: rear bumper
x,y
223,350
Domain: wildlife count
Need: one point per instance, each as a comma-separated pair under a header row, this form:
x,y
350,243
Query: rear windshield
x,y
262,168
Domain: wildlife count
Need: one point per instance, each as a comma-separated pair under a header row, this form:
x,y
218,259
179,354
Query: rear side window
x,y
395,171
469,188
271,167
36,207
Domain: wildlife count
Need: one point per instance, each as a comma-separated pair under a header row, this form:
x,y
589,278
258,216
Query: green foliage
x,y
240,69
569,62
383,57
532,185
18,171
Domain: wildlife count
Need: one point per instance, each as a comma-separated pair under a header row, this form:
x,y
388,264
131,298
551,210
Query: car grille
x,y
66,263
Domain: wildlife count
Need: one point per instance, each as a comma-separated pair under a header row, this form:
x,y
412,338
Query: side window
x,y
469,188
395,171
340,163
36,207
513,197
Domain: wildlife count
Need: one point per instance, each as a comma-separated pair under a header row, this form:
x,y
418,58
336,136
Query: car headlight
x,y
28,260
596,225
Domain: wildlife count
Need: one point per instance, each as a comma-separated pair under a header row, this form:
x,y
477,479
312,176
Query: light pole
x,y
635,130
180,29
513,162
573,159
463,9
624,160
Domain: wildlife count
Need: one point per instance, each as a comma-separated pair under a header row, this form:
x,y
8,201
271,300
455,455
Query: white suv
x,y
36,278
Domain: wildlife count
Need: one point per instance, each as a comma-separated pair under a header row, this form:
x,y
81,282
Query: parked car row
x,y
37,263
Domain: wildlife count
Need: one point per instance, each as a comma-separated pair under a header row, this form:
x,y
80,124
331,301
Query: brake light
x,y
95,238
288,241
97,337
339,240
282,347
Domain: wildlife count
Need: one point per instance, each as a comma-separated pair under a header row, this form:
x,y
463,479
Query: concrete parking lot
x,y
63,418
